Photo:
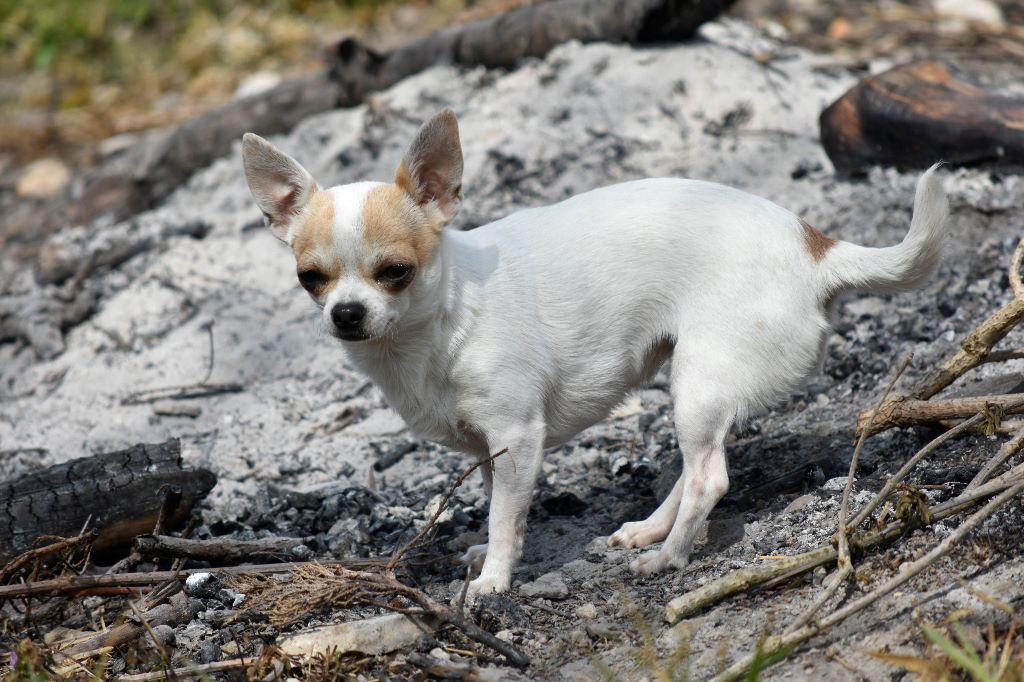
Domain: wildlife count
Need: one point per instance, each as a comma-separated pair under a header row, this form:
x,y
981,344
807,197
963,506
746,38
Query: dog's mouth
x,y
350,335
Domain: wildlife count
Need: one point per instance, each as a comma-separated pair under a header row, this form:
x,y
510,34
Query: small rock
x,y
163,635
588,611
837,483
261,81
800,502
463,542
174,408
230,648
579,638
581,569
603,629
548,586
200,585
370,636
979,11
209,652
43,178
597,547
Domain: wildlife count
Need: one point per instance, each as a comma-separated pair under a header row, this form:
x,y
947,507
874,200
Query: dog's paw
x,y
474,557
637,534
656,561
488,584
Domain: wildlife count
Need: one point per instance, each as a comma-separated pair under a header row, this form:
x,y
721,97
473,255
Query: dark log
x,y
153,167
918,114
221,550
118,493
531,31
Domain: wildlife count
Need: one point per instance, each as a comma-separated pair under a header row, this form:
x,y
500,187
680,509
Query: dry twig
x,y
844,564
777,643
400,552
76,583
190,671
913,407
1008,450
743,579
315,586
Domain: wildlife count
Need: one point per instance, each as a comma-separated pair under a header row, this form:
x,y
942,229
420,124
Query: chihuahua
x,y
519,334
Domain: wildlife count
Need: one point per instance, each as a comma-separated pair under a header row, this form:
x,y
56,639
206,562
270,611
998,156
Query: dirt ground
x,y
294,450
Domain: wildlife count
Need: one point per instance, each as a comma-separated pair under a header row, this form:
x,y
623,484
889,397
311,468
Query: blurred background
x,y
79,75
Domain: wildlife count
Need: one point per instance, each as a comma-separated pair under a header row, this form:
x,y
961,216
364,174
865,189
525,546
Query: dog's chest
x,y
421,392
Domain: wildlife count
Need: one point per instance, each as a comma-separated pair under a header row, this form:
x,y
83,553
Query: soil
x,y
294,451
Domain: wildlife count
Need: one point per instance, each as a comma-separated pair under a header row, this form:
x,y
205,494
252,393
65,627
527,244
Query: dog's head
x,y
364,250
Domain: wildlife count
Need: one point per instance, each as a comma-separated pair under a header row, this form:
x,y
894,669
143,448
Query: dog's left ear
x,y
279,184
431,171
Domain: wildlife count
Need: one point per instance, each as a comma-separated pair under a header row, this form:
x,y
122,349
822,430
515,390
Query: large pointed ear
x,y
280,186
431,171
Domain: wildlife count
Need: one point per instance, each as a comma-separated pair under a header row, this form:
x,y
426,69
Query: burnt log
x,y
120,494
532,31
918,114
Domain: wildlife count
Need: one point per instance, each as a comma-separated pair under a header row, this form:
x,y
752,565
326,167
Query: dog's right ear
x,y
280,186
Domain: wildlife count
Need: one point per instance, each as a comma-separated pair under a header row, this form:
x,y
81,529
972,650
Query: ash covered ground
x,y
295,450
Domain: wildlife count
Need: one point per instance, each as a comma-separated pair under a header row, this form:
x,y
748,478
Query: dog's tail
x,y
902,267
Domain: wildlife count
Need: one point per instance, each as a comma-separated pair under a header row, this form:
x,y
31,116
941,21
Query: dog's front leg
x,y
514,476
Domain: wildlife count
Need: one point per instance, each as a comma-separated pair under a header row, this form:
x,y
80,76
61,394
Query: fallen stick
x,y
313,586
443,669
224,550
1008,450
743,579
152,395
75,583
910,408
175,611
909,412
61,545
400,552
777,643
844,564
895,479
190,671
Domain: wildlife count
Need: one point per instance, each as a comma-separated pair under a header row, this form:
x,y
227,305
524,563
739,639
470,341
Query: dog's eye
x,y
395,274
312,279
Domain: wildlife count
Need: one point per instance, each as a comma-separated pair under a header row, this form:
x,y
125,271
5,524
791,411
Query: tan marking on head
x,y
817,243
394,226
314,238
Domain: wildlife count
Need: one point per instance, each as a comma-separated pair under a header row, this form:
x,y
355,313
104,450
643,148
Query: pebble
x,y
43,178
548,586
588,611
164,636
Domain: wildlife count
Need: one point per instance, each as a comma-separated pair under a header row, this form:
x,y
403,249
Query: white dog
x,y
523,332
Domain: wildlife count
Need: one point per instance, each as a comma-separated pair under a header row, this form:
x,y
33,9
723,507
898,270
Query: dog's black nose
x,y
348,317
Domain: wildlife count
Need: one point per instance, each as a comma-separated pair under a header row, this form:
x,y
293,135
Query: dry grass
x,y
79,71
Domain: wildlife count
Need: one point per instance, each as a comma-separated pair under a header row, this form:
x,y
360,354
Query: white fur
x,y
523,332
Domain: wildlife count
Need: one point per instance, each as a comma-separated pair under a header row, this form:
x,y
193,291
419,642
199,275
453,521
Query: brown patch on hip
x,y
817,243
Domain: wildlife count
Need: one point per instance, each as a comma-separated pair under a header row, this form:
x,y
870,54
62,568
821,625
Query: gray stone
x,y
548,586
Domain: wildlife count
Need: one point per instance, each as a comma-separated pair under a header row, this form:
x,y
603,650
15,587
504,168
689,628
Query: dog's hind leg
x,y
703,414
